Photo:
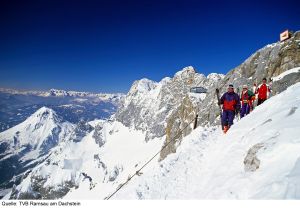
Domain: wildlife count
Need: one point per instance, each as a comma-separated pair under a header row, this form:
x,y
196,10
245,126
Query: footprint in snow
x,y
292,111
267,121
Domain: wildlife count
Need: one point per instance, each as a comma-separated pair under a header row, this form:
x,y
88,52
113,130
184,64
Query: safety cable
x,y
138,171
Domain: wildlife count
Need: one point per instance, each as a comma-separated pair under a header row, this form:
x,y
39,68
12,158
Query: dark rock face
x,y
182,119
285,82
81,130
98,135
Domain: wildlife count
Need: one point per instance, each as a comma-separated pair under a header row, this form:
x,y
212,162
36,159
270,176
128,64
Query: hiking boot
x,y
225,129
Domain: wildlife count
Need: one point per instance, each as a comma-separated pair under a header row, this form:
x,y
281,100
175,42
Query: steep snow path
x,y
210,165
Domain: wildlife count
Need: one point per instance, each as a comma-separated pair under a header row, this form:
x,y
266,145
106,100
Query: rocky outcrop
x,y
282,84
149,104
98,135
251,162
81,130
180,124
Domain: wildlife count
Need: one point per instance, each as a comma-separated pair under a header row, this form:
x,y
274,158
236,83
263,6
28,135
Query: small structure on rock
x,y
285,35
198,90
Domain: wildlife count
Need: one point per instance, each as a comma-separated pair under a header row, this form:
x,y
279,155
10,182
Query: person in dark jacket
x,y
231,105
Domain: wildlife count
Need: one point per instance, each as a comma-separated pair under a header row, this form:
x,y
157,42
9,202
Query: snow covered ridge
x,y
258,158
62,93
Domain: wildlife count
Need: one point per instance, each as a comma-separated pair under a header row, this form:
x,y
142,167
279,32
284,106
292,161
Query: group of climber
x,y
234,104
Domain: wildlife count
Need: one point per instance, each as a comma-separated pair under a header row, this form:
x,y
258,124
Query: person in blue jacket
x,y
231,105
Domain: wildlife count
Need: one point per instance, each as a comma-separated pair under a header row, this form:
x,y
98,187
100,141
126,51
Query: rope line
x,y
138,171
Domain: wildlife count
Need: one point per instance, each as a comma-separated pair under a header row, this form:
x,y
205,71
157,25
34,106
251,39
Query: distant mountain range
x,y
17,105
61,93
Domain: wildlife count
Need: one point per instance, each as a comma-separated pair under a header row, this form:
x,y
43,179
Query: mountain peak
x,y
186,71
142,85
44,113
44,109
40,131
56,92
215,76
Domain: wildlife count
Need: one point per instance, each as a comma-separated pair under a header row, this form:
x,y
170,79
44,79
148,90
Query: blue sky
x,y
103,46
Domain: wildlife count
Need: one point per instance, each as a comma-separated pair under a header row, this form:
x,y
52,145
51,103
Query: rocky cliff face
x,y
181,119
148,104
269,62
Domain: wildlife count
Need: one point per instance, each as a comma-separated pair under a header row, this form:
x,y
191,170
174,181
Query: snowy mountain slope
x,y
40,131
257,159
98,163
32,130
29,143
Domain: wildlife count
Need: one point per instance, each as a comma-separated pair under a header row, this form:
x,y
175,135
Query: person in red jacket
x,y
262,90
247,97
